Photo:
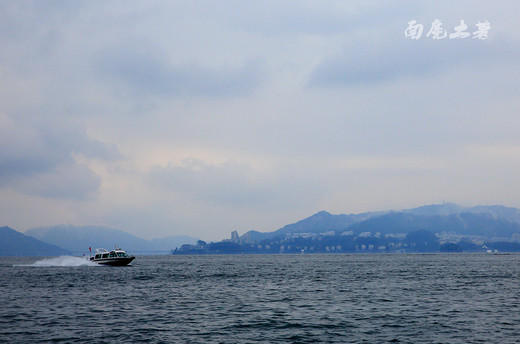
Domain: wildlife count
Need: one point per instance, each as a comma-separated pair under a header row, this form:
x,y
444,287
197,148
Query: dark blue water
x,y
460,298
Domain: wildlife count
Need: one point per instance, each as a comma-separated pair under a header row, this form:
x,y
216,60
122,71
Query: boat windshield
x,y
122,254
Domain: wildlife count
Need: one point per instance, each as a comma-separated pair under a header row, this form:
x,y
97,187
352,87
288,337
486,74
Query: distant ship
x,y
116,257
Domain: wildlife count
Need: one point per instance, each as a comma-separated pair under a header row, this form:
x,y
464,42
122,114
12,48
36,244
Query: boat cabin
x,y
112,254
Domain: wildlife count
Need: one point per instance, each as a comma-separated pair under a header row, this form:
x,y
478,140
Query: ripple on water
x,y
244,299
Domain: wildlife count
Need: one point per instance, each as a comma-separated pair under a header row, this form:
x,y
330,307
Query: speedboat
x,y
115,257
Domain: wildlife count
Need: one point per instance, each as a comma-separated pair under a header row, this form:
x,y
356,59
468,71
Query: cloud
x,y
311,17
146,69
234,184
230,183
65,181
38,156
390,58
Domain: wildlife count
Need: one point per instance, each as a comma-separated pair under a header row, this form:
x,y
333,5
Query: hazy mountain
x,y
489,221
324,221
393,223
496,211
481,224
79,239
436,209
317,223
13,243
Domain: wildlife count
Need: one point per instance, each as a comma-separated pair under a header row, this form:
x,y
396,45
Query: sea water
x,y
401,298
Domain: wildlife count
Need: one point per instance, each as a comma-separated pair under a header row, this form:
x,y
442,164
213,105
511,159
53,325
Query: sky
x,y
199,118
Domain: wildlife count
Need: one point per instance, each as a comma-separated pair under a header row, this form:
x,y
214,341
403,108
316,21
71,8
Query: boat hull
x,y
119,261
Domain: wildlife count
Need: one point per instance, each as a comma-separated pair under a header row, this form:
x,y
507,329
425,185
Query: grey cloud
x,y
37,156
34,31
395,57
233,183
230,183
145,69
68,181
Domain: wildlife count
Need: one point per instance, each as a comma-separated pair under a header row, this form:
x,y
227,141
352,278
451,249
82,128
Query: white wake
x,y
63,261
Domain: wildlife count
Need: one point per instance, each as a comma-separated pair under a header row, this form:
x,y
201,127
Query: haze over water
x,y
456,298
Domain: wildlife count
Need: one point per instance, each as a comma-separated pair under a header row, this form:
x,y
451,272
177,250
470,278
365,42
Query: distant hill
x,y
444,209
13,243
317,223
498,212
487,221
479,224
79,239
324,221
393,223
495,211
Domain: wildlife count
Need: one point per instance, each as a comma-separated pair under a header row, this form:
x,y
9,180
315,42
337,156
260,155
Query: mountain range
x,y
13,243
494,221
70,240
79,239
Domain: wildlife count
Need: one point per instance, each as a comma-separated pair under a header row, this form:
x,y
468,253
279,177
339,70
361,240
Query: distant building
x,y
329,233
246,238
396,235
289,236
186,247
235,238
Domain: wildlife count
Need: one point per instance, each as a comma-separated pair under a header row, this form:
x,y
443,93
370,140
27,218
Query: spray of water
x,y
63,261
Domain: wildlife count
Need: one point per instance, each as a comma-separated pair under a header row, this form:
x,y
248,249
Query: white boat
x,y
115,257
